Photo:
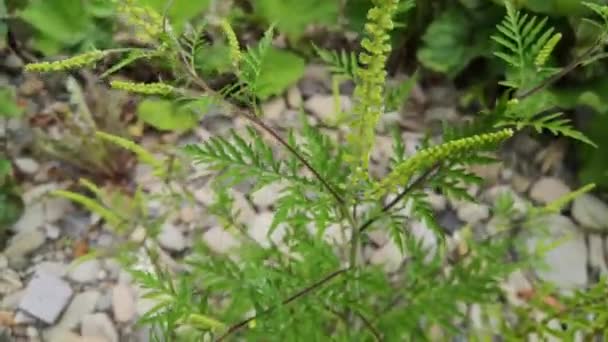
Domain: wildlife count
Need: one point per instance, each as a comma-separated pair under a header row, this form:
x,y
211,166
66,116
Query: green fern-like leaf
x,y
340,63
240,158
525,39
538,112
253,59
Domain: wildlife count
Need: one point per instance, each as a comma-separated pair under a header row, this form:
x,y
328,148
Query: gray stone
x,y
123,303
99,325
113,267
85,271
45,297
138,235
274,108
24,318
56,268
388,256
260,227
472,213
24,243
266,196
60,334
548,189
220,240
9,281
566,263
323,106
171,238
104,303
590,212
52,231
83,303
294,97
27,165
596,254
11,301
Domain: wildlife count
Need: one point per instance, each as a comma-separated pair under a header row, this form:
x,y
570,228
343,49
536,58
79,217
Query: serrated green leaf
x,y
292,17
169,116
66,21
279,70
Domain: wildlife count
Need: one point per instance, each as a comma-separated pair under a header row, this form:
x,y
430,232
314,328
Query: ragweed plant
x,y
298,284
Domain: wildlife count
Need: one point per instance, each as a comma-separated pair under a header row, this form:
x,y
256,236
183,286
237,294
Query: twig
x,y
258,122
303,292
293,151
415,184
567,69
370,327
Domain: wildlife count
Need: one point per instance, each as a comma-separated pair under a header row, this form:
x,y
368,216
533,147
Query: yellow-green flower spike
x,y
547,49
428,157
233,43
370,86
143,88
147,22
76,62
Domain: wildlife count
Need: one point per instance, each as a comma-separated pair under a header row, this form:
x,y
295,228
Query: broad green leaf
x,y
179,11
8,104
280,69
65,21
454,39
169,116
292,17
213,59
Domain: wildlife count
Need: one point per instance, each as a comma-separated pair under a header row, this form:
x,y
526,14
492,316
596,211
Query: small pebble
x,y
548,189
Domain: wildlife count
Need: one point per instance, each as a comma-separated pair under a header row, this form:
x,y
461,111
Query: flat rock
x,y
61,335
52,231
323,106
548,189
473,212
596,253
294,97
24,243
83,303
31,219
260,227
219,240
266,196
123,303
566,263
274,108
84,272
590,212
99,325
171,238
388,256
11,301
55,268
9,281
45,297
27,165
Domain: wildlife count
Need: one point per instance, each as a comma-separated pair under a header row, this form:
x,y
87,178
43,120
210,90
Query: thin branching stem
x,y
564,71
299,294
413,186
200,83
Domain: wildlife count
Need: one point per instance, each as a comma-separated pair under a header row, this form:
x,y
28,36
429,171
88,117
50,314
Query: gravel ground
x,y
45,297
